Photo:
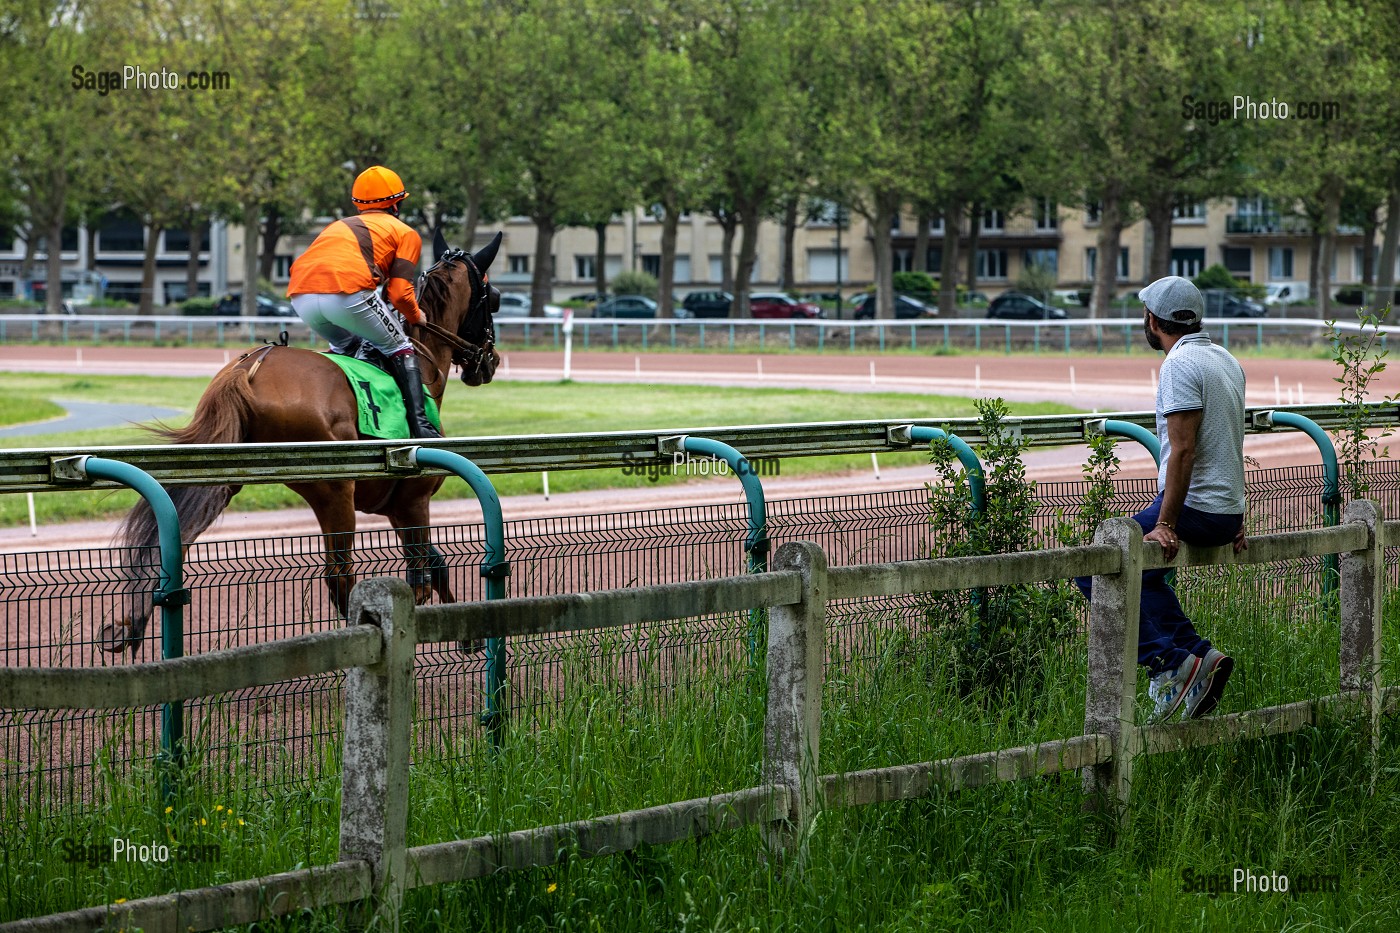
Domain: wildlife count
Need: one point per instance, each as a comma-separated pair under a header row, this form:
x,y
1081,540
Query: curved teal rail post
x,y
171,595
1331,478
976,476
1127,429
494,568
756,543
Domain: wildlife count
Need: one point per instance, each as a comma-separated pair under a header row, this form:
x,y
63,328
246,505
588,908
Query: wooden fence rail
x,y
377,650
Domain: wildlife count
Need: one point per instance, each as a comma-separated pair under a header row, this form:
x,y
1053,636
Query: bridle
x,y
465,354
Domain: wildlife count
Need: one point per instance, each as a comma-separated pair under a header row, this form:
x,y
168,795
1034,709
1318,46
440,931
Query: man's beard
x,y
1153,340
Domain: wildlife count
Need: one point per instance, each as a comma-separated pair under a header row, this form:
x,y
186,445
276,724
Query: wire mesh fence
x,y
247,591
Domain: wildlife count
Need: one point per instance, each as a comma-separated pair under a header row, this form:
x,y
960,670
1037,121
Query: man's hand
x,y
1240,542
1166,538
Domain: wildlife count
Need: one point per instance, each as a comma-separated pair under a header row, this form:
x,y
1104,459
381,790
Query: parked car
x,y
231,305
1223,304
708,304
905,308
1282,293
518,304
1016,306
776,304
626,306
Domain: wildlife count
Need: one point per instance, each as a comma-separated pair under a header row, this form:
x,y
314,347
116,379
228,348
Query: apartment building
x,y
1252,238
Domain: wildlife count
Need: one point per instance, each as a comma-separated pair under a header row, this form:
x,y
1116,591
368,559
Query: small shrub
x,y
1361,358
1037,279
918,285
635,282
193,307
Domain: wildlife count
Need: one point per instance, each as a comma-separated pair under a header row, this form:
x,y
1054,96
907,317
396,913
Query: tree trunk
x,y
1110,238
26,265
53,278
788,275
667,280
542,281
473,217
148,270
90,233
1314,286
600,260
880,222
948,274
920,260
974,233
1331,214
1368,251
1385,279
748,256
1159,221
250,261
728,223
271,233
196,231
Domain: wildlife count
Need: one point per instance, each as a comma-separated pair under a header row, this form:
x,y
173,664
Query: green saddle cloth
x,y
378,399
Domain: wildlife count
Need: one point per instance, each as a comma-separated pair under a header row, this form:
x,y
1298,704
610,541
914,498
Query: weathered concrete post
x,y
796,674
378,727
1362,599
1111,695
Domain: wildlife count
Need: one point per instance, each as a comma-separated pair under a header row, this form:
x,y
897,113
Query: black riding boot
x,y
410,380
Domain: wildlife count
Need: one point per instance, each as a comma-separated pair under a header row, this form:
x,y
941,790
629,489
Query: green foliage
x,y
916,284
1361,357
634,282
994,641
197,306
1037,279
1099,500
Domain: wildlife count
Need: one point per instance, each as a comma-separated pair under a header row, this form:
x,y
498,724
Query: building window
x,y
1189,212
824,213
1047,214
68,243
991,263
281,267
121,234
1239,261
1049,258
716,268
1093,213
1091,264
935,225
651,264
993,221
903,260
934,262
821,266
585,269
520,265
681,273
1280,263
178,241
1188,263
1256,206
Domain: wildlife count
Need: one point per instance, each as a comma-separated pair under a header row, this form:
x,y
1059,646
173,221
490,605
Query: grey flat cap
x,y
1174,299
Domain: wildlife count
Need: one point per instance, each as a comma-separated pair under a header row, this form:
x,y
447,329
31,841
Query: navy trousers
x,y
1165,635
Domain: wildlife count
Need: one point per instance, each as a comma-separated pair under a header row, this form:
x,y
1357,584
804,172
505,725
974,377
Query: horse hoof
x,y
470,647
116,638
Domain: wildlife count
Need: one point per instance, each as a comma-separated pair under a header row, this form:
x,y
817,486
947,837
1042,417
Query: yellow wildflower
x,y
203,821
552,888
219,808
120,900
169,809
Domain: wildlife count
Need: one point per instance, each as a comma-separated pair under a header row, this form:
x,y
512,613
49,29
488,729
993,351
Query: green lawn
x,y
502,409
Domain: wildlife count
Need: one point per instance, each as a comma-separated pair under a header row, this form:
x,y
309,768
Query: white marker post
x,y
1073,389
977,379
637,366
872,382
34,526
545,477
874,462
1300,393
1278,392
568,347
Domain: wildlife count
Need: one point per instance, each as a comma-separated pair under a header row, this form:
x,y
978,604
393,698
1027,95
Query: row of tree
x,y
571,111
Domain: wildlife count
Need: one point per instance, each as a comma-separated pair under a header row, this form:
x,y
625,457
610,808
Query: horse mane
x,y
437,289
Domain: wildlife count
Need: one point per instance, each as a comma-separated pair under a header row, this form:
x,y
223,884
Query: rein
x,y
467,355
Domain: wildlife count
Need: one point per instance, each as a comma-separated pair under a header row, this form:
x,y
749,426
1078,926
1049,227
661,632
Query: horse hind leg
x,y
196,508
334,505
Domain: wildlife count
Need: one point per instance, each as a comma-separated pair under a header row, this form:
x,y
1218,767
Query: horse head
x,y
457,295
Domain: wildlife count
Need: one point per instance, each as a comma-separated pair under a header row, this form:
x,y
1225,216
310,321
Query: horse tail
x,y
221,417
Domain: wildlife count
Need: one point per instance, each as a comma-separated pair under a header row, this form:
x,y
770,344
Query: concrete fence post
x,y
1111,693
796,674
378,729
1362,600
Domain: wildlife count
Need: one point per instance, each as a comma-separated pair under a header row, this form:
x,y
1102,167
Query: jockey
x,y
335,285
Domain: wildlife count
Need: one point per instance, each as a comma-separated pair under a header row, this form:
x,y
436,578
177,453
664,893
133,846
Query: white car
x,y
518,304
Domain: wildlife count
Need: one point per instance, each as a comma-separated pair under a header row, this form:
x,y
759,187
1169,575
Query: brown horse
x,y
280,394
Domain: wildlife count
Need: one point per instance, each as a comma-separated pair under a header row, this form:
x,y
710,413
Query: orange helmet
x,y
377,186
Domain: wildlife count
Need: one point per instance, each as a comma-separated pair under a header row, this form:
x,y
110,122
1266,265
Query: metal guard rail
x,y
33,470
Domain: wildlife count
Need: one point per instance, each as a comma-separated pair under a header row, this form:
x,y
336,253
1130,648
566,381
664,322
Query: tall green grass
x,y
1025,856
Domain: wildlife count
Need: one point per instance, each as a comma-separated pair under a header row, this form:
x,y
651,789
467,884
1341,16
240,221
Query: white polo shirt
x,y
1197,374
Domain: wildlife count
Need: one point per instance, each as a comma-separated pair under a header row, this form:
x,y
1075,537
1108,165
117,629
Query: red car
x,y
776,304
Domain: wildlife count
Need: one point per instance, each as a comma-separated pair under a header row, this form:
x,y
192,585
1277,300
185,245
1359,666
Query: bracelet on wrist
x,y
1167,525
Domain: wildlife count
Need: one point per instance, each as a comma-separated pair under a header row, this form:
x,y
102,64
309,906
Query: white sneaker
x,y
1216,668
1169,688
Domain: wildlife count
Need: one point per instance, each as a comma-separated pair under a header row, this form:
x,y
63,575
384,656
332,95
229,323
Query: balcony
x,y
1265,225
